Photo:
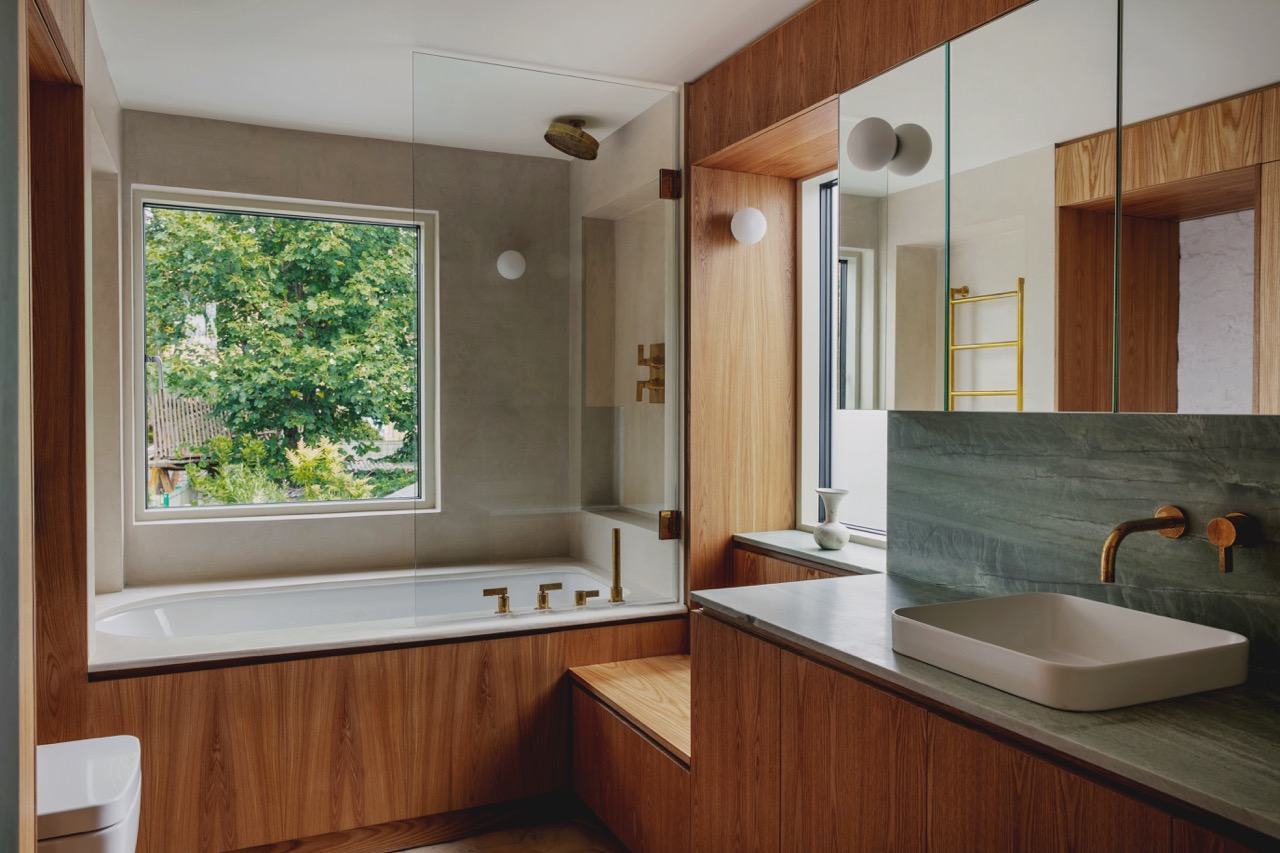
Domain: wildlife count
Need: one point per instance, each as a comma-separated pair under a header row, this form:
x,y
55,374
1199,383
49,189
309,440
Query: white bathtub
x,y
160,626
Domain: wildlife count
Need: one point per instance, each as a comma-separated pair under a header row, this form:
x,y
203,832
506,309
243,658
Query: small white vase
x,y
831,535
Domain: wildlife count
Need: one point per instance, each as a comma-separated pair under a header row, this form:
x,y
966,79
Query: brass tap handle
x,y
504,600
544,600
1234,530
640,386
580,596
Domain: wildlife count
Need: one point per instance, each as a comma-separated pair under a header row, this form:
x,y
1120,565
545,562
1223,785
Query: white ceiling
x,y
347,67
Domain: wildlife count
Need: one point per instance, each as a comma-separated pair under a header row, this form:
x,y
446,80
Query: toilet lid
x,y
86,785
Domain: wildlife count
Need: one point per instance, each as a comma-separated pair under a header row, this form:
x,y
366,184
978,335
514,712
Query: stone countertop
x,y
1219,750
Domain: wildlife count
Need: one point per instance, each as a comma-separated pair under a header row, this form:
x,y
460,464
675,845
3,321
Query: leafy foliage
x,y
318,472
237,473
292,329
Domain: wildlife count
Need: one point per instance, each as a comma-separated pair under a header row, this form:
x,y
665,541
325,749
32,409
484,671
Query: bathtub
x,y
173,625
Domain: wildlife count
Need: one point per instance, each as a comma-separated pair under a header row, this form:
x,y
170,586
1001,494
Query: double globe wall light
x,y
874,144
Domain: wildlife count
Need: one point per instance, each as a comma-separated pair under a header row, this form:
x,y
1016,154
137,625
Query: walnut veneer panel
x,y
1085,298
736,728
65,21
985,795
1085,171
1266,353
650,693
1189,838
804,145
1271,124
1213,138
256,755
1195,198
58,407
853,764
742,364
824,49
1149,316
752,569
44,62
635,788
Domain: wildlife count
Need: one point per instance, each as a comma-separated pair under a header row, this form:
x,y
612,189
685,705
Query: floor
x,y
574,836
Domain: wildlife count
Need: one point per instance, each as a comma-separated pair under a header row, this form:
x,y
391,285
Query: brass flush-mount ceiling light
x,y
569,138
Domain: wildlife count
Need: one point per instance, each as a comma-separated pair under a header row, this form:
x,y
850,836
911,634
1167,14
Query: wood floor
x,y
574,836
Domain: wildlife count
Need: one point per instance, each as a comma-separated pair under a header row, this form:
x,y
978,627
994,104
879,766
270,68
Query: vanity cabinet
x,y
791,754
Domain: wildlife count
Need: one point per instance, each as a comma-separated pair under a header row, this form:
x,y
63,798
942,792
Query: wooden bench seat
x,y
631,736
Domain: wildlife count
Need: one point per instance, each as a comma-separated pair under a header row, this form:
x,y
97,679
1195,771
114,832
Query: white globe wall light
x,y
511,265
748,226
914,150
872,144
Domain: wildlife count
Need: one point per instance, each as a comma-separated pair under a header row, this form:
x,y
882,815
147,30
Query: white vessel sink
x,y
1071,653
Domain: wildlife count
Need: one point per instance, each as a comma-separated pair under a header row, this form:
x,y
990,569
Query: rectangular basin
x,y
1071,653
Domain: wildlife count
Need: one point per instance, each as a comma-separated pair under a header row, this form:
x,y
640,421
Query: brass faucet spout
x,y
1169,520
615,590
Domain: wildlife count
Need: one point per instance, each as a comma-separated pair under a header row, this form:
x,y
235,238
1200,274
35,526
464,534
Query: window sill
x,y
854,558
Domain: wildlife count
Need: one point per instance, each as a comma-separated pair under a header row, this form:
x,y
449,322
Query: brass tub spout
x,y
1169,520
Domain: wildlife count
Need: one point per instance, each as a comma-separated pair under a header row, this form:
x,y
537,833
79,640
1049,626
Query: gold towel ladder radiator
x,y
960,296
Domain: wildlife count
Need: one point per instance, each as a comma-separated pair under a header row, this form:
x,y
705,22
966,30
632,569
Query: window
x,y
844,428
286,360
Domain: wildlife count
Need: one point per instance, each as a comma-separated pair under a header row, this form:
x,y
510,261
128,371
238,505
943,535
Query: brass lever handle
x,y
1234,530
580,596
544,600
504,600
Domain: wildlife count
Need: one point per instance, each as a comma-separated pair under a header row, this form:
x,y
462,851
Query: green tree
x,y
291,329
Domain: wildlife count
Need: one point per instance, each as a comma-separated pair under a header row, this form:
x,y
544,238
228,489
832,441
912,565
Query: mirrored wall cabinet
x,y
992,256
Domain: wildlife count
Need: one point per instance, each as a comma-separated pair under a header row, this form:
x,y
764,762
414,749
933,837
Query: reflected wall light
x,y
874,143
748,226
511,264
914,150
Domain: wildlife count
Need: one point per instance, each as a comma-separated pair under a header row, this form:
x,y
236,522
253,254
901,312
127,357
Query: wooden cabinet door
x,y
734,756
853,764
985,795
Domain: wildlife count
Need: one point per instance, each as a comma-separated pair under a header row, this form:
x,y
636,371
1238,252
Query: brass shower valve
x,y
655,384
1234,530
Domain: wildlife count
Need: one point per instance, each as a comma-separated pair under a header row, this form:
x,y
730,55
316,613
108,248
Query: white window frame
x,y
807,438
427,223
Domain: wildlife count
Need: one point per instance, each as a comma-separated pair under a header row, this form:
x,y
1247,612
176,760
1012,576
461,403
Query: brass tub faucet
x,y
1169,520
544,597
504,600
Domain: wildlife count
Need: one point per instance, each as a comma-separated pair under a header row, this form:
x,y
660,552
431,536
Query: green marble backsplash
x,y
1005,503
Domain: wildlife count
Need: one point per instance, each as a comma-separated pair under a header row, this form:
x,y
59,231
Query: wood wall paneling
x,y
853,763
736,728
58,408
741,386
752,569
65,22
1085,171
1271,124
985,795
43,60
1149,253
1213,138
355,740
1085,298
1266,359
638,790
803,145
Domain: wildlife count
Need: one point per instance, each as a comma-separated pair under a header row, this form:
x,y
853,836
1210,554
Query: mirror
x,y
1200,183
965,266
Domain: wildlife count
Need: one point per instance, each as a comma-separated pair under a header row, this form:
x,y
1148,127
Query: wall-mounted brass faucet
x,y
1234,530
504,600
544,599
657,364
1169,520
615,589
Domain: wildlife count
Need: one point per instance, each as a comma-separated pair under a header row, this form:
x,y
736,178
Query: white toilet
x,y
88,793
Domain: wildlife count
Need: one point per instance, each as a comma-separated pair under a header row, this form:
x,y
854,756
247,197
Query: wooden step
x,y
652,694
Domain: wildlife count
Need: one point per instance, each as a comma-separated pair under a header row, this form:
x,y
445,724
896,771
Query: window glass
x,y
281,358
